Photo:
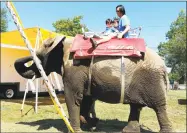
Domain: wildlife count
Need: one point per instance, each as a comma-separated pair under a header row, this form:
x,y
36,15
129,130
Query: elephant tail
x,y
166,78
167,82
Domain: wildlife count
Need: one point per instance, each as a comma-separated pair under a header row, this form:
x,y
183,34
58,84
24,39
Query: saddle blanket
x,y
115,47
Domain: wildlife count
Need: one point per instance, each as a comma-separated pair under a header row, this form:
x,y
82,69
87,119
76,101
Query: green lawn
x,y
113,117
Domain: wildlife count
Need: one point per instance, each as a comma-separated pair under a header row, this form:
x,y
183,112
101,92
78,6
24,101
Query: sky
x,y
154,17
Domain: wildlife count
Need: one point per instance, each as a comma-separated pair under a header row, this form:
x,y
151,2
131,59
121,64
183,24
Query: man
x,y
124,22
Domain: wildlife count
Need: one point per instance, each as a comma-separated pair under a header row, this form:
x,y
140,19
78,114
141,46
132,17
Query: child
x,y
116,23
108,34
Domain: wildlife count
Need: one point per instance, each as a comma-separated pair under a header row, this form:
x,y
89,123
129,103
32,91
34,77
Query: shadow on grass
x,y
114,126
31,100
47,124
103,125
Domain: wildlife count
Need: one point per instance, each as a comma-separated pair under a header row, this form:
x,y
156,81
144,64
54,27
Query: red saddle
x,y
115,47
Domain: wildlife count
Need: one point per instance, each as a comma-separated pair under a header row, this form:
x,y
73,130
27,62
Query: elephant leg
x,y
133,121
73,105
165,124
92,110
86,107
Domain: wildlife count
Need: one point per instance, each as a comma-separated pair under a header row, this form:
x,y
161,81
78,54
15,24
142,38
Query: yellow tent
x,y
13,47
14,37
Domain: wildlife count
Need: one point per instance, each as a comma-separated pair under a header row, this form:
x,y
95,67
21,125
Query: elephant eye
x,y
28,64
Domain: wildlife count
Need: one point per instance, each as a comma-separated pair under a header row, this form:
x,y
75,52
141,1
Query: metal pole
x,y
57,81
26,90
52,80
36,87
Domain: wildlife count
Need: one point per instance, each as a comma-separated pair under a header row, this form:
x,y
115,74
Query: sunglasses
x,y
117,11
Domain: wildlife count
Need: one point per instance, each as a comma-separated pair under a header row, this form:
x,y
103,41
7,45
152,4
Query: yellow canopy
x,y
14,37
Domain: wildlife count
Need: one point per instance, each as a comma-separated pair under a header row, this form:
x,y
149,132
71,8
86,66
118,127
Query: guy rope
x,y
51,91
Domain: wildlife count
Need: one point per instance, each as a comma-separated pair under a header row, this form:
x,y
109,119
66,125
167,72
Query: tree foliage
x,y
174,49
69,26
4,20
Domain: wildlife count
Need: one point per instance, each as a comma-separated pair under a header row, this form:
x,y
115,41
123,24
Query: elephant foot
x,y
93,122
166,130
76,131
89,124
83,120
133,126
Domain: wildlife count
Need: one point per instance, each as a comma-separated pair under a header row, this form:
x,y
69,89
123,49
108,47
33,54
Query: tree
x,y
174,49
4,20
70,26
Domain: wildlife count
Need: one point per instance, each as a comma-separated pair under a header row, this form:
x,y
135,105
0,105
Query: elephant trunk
x,y
73,110
24,71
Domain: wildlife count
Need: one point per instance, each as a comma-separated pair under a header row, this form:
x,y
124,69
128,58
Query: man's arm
x,y
126,24
126,29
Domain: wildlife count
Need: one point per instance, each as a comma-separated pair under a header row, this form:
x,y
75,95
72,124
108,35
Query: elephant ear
x,y
48,45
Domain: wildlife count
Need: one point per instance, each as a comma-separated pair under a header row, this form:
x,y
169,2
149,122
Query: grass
x,y
113,117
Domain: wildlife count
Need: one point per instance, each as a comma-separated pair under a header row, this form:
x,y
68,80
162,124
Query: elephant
x,y
146,81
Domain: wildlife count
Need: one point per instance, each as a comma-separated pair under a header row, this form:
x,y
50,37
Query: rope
x,y
51,91
16,14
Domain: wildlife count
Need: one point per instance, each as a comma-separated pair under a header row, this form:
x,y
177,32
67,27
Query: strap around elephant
x,y
89,78
122,79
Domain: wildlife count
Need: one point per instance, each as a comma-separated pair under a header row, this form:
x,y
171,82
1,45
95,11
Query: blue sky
x,y
154,17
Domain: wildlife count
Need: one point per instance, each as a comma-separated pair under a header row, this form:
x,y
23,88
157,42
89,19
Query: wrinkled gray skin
x,y
146,83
